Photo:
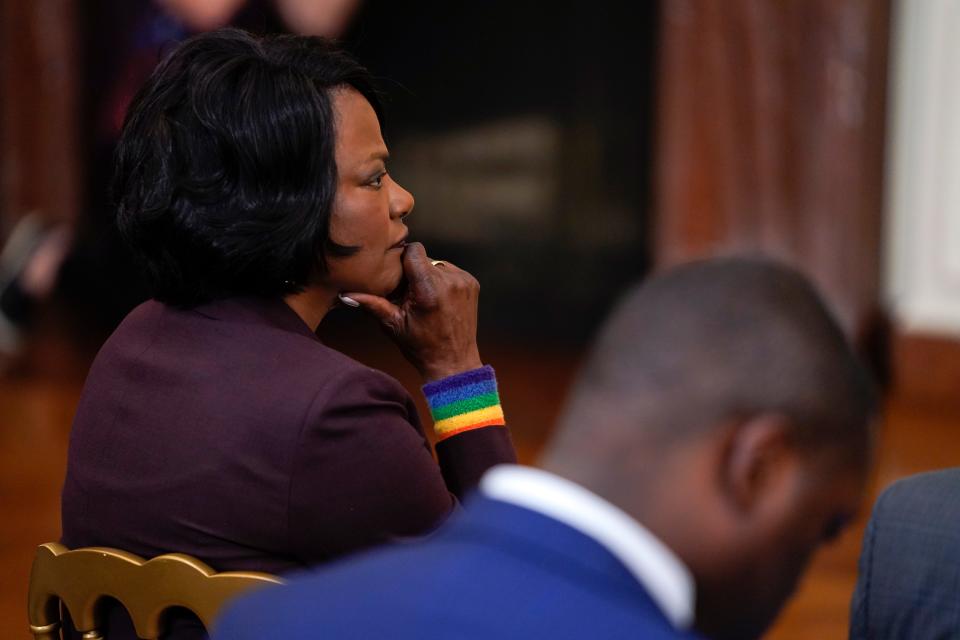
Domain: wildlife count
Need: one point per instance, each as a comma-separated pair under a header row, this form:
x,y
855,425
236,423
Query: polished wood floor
x,y
37,402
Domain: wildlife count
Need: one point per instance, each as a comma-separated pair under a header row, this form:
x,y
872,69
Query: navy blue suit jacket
x,y
909,583
495,571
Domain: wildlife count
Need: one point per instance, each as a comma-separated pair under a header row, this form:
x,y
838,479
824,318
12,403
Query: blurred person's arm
x,y
328,18
202,15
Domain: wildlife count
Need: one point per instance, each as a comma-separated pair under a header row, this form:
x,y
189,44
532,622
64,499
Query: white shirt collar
x,y
663,575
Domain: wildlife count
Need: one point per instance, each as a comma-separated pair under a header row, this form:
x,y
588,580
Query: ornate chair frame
x,y
80,578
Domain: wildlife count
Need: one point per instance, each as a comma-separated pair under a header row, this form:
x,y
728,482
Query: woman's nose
x,y
401,201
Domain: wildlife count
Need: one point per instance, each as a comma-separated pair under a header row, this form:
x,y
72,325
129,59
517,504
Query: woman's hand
x,y
435,324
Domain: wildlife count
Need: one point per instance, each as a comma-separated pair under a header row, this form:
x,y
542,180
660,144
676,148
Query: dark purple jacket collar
x,y
270,311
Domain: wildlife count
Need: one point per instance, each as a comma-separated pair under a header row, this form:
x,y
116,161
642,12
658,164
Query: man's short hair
x,y
720,340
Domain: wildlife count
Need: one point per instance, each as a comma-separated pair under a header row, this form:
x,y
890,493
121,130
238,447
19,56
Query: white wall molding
x,y
922,234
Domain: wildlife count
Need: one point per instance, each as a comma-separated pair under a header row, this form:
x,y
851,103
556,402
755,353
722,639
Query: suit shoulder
x,y
239,347
944,480
933,491
354,375
134,333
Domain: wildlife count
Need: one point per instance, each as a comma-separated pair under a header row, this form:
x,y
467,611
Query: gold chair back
x,y
80,578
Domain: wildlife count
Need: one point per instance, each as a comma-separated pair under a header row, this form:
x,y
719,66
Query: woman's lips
x,y
399,245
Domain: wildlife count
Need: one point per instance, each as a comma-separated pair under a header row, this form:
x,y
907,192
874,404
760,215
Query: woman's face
x,y
369,207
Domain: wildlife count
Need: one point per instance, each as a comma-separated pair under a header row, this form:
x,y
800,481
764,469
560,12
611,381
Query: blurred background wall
x,y
560,154
922,234
771,138
526,135
39,118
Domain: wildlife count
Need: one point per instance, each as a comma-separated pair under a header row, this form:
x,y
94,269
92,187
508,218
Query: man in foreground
x,y
719,433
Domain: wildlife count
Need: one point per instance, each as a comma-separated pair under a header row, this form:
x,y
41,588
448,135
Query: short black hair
x,y
718,340
225,171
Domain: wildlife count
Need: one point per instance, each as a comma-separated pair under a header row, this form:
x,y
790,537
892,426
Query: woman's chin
x,y
398,291
387,288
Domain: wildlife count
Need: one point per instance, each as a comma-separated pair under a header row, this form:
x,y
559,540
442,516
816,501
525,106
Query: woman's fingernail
x,y
350,302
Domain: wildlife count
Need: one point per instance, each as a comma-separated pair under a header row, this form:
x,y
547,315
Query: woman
x,y
251,182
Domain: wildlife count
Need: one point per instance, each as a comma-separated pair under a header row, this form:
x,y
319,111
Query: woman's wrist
x,y
465,401
436,371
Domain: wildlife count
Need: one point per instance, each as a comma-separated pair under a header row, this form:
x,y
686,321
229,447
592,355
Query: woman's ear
x,y
758,464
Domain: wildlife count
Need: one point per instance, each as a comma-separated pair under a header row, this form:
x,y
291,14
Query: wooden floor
x,y
36,407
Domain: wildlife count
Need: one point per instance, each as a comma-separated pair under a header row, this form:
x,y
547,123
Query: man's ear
x,y
759,458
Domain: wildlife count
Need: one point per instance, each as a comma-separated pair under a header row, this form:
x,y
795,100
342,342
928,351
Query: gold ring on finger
x,y
438,263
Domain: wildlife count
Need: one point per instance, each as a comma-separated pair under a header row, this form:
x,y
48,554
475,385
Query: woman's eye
x,y
378,181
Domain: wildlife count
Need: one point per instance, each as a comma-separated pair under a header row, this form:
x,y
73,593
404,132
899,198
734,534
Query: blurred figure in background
x,y
121,42
720,432
910,562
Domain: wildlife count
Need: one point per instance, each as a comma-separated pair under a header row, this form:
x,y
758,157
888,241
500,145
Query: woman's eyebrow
x,y
381,155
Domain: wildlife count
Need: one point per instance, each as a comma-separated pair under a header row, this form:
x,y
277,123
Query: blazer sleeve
x,y
465,457
363,473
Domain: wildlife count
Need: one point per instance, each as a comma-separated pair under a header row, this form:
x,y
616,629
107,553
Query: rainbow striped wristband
x,y
464,402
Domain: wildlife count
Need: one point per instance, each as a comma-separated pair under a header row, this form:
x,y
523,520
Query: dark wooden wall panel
x,y
38,116
770,138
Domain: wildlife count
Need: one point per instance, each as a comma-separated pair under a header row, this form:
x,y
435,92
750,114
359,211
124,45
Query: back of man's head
x,y
723,407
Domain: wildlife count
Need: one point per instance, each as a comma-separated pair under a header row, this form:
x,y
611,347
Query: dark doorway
x,y
524,130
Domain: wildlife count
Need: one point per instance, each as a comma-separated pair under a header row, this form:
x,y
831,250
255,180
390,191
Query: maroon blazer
x,y
231,433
